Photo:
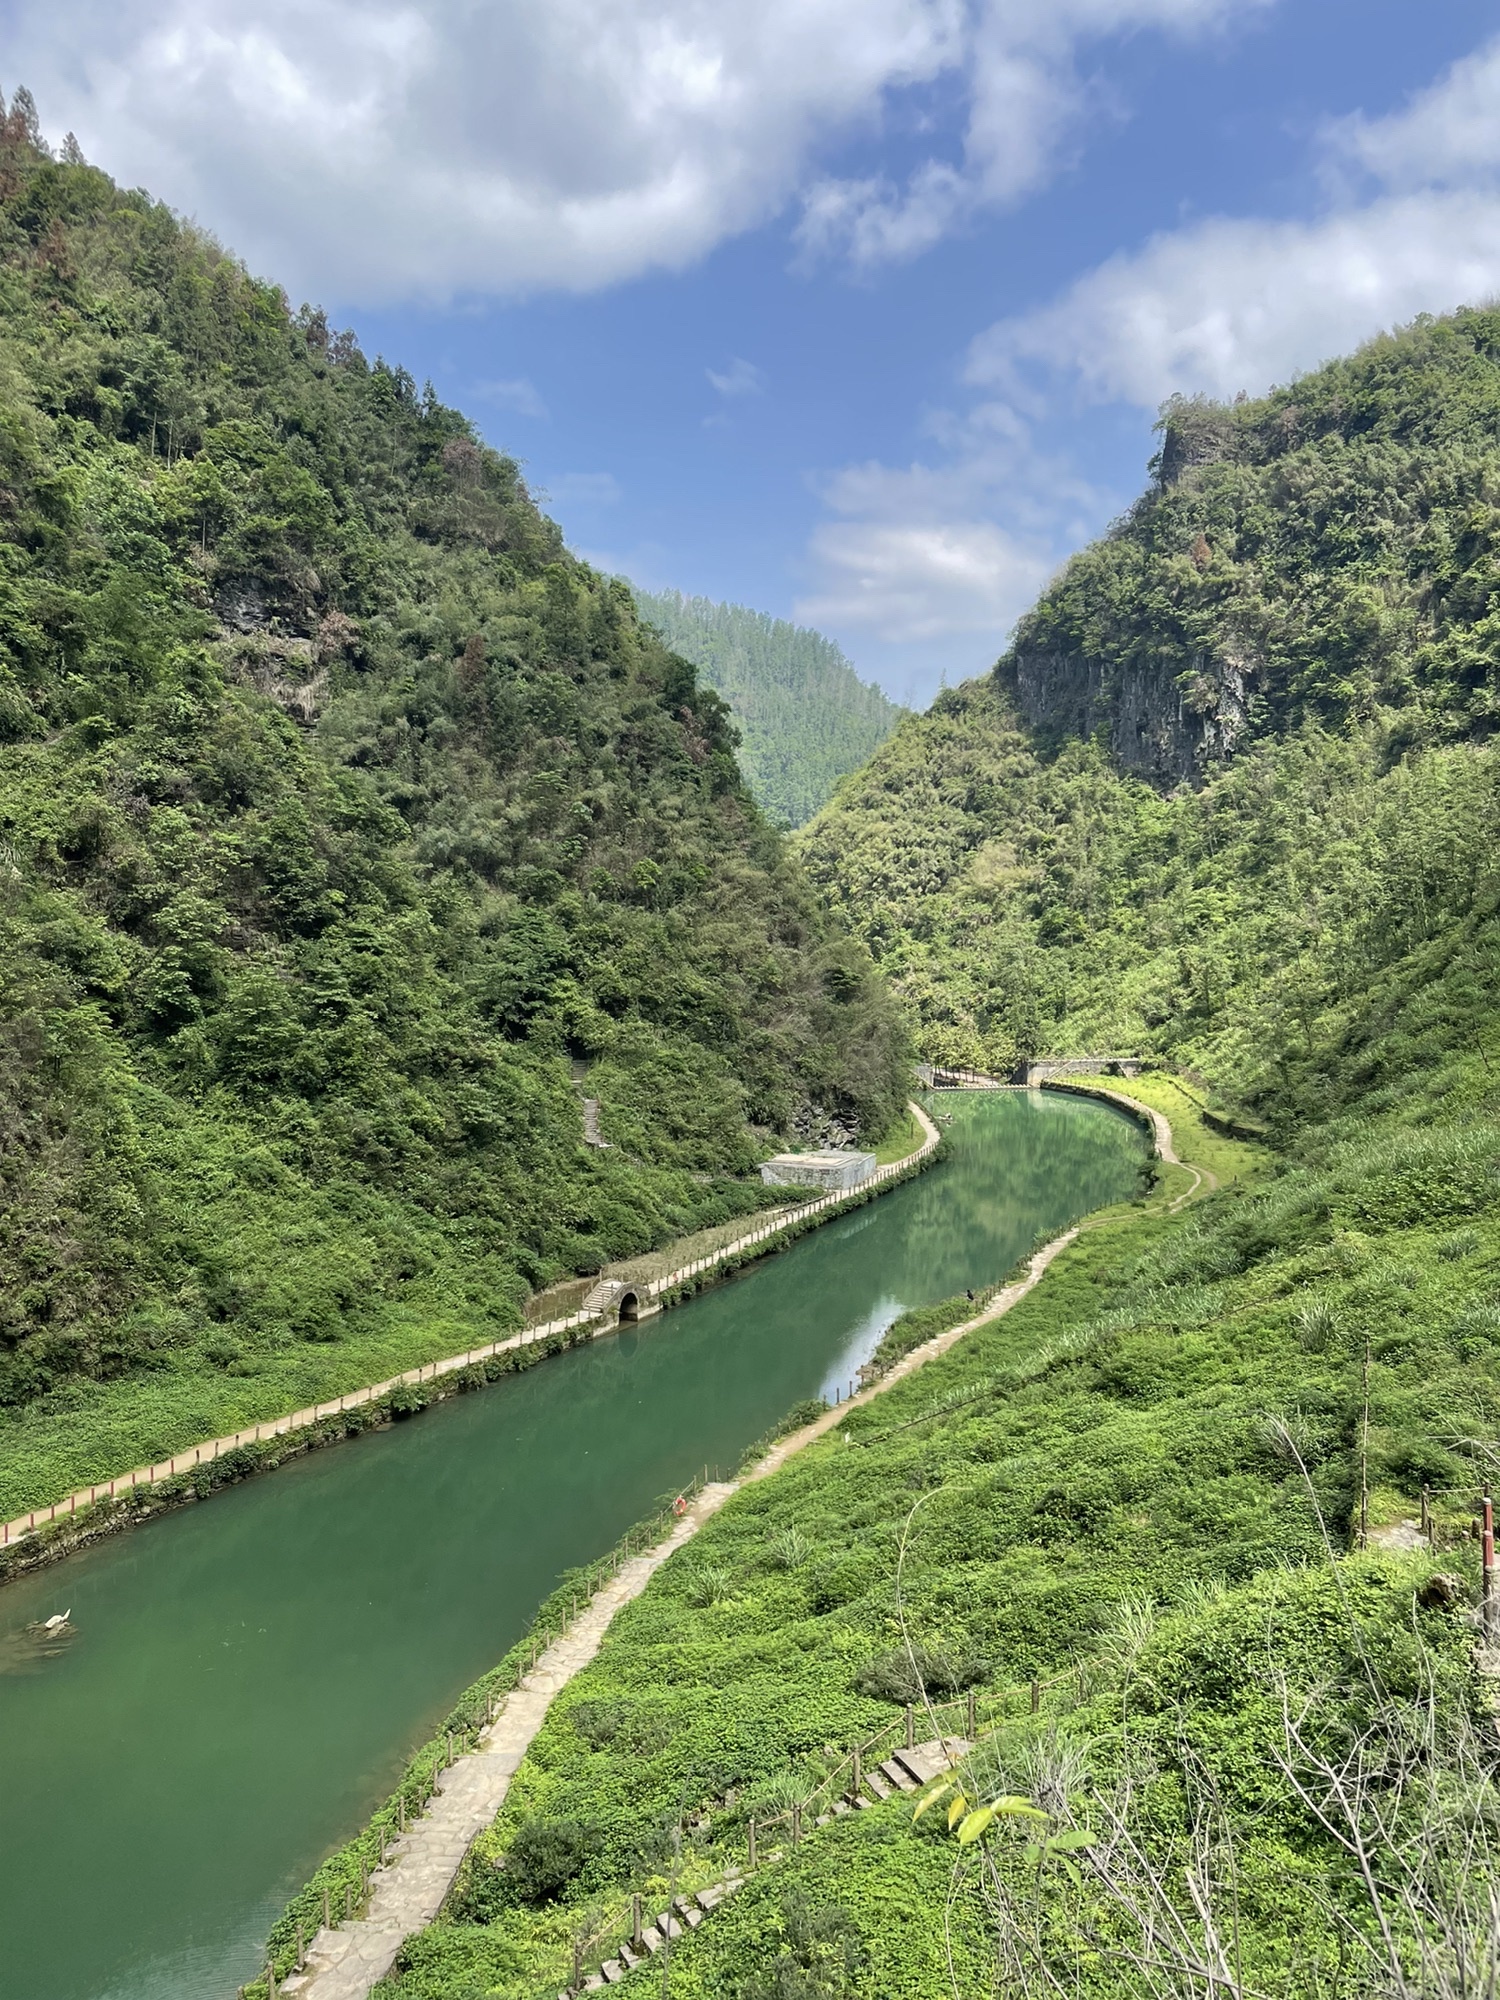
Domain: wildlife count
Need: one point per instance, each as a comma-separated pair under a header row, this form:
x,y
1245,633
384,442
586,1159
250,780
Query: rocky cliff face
x,y
1161,723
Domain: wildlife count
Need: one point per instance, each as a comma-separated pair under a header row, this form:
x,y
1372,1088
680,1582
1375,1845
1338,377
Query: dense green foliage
x,y
1024,905
805,718
346,822
1026,895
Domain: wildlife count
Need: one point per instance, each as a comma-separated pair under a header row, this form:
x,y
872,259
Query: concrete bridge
x,y
1030,1071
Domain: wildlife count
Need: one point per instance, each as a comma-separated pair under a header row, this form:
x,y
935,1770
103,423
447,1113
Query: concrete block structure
x,y
829,1172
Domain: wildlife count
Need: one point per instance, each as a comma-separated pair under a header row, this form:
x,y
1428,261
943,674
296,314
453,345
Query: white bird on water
x,y
58,1618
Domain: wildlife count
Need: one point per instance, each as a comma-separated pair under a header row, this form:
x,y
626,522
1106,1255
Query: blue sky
x,y
858,311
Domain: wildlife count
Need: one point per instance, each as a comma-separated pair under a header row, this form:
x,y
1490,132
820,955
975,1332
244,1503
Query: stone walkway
x,y
344,1963
761,1233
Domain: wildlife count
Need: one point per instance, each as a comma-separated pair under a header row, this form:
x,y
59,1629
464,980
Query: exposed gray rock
x,y
1162,721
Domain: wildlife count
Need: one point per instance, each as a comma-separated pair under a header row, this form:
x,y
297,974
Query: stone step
x,y
929,1760
878,1785
898,1776
613,1970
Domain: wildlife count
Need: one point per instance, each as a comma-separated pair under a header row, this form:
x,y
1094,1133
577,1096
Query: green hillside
x,y
1230,800
1236,768
347,824
805,718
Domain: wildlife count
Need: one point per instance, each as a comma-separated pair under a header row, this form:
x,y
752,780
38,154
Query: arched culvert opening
x,y
630,1306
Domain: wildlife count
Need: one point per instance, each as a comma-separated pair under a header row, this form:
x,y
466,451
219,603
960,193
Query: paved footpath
x,y
343,1964
430,1371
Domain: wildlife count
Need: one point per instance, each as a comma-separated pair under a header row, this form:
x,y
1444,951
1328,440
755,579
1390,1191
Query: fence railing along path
x,y
186,1461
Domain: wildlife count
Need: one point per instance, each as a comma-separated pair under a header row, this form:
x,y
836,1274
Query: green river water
x,y
249,1675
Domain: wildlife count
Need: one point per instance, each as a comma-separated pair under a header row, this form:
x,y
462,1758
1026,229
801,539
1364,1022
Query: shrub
x,y
708,1584
545,1856
790,1548
904,1676
821,1959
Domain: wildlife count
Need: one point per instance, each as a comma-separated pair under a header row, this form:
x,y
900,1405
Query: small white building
x,y
829,1172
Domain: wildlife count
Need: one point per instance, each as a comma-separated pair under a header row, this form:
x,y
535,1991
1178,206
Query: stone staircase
x,y
684,1915
606,1296
903,1771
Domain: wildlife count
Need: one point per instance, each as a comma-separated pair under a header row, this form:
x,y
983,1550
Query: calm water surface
x,y
249,1676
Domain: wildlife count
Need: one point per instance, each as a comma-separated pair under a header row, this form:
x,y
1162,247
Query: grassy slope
x,y
1119,1451
1225,1160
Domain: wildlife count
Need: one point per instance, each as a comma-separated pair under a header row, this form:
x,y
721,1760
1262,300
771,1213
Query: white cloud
x,y
385,149
912,581
1241,302
1029,97
740,378
1448,135
933,556
375,149
518,395
948,554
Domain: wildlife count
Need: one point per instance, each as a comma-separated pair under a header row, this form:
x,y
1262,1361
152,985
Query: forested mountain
x,y
344,819
1236,768
805,717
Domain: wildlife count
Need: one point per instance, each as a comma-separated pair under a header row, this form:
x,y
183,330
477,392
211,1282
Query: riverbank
x,y
345,1960
128,1498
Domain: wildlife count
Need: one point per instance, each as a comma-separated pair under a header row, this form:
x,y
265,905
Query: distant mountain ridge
x,y
806,718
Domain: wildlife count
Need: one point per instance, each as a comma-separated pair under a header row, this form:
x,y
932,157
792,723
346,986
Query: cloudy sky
x,y
855,310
